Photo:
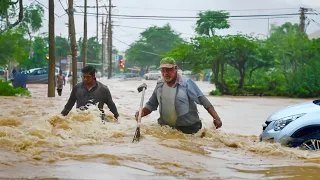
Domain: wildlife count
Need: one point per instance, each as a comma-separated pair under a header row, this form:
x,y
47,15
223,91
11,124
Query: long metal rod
x,y
141,105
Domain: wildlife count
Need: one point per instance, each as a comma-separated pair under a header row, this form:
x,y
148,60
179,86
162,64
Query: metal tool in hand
x,y
102,116
142,88
103,120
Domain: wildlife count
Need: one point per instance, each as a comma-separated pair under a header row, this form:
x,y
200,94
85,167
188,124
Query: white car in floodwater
x,y
153,75
295,126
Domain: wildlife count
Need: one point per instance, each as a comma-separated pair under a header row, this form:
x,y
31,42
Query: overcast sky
x,y
125,35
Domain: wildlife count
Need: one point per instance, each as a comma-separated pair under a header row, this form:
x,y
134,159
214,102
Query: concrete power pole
x,y
85,36
103,47
303,19
73,43
52,58
110,43
97,4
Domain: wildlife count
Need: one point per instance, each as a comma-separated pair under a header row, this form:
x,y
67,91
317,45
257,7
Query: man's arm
x,y
70,103
216,119
152,103
194,91
110,103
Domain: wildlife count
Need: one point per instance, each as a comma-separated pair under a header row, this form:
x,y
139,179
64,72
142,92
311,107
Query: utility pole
x,y
103,47
73,43
60,55
109,43
52,59
105,40
85,37
67,24
97,3
69,42
97,38
268,32
303,18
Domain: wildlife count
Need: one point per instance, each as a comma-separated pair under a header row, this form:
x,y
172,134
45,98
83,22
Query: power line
x,y
215,17
147,28
196,17
186,18
167,9
271,9
104,6
62,6
127,33
189,20
79,8
121,41
318,24
48,9
131,45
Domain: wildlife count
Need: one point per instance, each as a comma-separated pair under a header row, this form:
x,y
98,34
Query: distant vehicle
x,y
38,76
295,126
127,76
1,74
57,71
33,69
66,73
152,75
119,76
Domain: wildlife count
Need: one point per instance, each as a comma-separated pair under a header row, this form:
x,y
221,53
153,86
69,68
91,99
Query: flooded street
x,y
38,143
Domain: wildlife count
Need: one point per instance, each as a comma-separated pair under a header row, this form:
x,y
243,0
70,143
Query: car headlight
x,y
283,122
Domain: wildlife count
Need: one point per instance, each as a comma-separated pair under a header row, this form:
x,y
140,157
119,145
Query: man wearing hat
x,y
176,97
88,92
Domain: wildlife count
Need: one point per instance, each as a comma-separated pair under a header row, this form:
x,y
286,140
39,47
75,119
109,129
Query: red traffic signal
x,y
121,62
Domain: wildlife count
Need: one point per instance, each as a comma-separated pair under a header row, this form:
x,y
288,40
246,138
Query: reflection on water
x,y
36,141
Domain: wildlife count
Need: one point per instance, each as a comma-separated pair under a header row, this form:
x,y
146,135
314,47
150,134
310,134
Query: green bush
x,y
255,90
7,90
232,86
215,93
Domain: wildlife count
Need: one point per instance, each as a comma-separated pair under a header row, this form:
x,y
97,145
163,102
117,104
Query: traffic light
x,y
121,63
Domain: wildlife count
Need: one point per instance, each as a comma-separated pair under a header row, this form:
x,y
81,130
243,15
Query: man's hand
x,y
64,112
116,117
137,115
144,112
217,123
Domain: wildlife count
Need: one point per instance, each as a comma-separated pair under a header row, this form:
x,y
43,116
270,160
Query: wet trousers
x,y
59,91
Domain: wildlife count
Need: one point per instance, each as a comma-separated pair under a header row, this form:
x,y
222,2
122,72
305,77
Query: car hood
x,y
305,107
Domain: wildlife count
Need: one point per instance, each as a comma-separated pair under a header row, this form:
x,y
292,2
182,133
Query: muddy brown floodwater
x,y
37,143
